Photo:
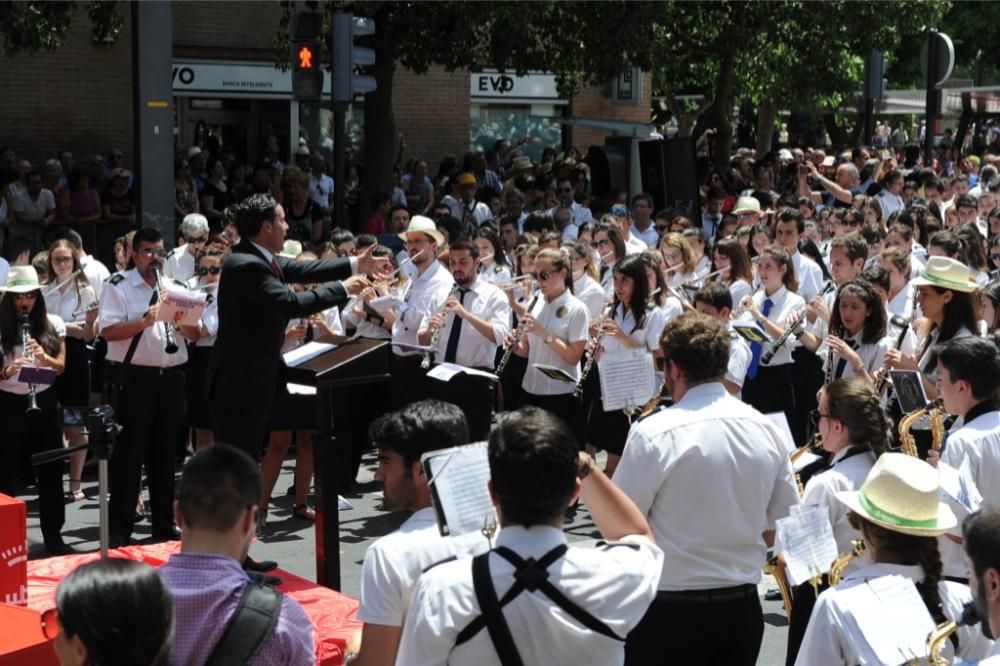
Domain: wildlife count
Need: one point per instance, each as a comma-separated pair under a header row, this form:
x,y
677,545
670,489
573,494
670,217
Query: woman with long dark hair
x,y
27,432
493,265
70,297
729,255
633,324
899,514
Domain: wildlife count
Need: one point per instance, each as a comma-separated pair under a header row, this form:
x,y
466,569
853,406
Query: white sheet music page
x,y
807,541
459,476
306,352
627,379
891,617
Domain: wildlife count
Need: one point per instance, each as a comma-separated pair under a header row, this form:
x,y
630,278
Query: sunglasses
x,y
50,623
196,239
542,275
154,252
214,270
600,243
662,227
27,295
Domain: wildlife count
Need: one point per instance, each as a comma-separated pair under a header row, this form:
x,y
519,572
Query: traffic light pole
x,y
339,166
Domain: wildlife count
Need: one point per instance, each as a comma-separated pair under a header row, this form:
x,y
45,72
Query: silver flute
x,y
436,334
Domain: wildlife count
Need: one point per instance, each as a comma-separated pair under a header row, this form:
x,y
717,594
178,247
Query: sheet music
x,y
307,352
181,306
750,331
30,374
628,379
552,372
458,478
888,613
445,371
808,543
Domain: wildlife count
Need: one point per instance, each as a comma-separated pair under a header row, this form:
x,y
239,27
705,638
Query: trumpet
x,y
907,444
425,362
518,333
578,392
944,631
781,339
33,407
168,334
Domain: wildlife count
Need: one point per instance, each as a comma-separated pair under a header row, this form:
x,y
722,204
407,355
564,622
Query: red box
x,y
13,551
21,641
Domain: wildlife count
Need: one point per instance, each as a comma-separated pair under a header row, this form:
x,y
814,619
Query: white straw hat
x,y
902,494
22,279
946,273
746,205
423,225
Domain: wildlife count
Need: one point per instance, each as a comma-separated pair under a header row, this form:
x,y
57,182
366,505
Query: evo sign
x,y
493,85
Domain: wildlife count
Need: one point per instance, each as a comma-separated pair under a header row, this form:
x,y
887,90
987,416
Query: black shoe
x,y
263,566
173,533
291,490
116,541
57,546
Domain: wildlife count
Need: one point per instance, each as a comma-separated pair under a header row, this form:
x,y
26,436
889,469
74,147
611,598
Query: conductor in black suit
x,y
256,302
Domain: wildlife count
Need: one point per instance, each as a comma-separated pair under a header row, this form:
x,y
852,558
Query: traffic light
x,y
307,70
348,57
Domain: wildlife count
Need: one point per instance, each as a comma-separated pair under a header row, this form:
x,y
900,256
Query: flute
x,y
712,274
57,286
392,276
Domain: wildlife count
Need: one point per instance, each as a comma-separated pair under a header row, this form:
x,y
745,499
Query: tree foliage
x,y
29,27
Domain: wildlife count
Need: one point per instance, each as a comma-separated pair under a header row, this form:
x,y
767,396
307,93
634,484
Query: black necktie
x,y
842,363
451,349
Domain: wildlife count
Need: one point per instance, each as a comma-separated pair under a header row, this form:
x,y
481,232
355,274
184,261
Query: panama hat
x,y
902,494
22,279
746,205
521,164
291,249
423,225
946,273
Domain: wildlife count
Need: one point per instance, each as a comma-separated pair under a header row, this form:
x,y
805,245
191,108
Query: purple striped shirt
x,y
206,590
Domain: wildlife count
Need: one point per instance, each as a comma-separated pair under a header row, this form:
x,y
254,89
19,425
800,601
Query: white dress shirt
x,y
635,245
711,474
843,475
96,272
646,336
179,264
425,296
872,356
903,303
475,351
578,213
649,236
68,300
740,356
591,293
810,276
784,304
831,640
739,289
567,319
128,299
614,583
671,308
497,274
394,562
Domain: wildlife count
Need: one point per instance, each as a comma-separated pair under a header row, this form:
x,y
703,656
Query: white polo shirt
x,y
567,319
425,296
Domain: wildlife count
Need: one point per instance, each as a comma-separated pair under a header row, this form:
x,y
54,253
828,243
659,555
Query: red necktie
x,y
275,268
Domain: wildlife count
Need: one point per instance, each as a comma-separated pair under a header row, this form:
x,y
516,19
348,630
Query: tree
x,y
29,27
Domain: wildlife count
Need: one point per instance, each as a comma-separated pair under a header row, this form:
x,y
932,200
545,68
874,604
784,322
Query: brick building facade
x,y
79,97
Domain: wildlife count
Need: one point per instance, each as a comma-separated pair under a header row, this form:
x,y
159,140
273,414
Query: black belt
x,y
714,595
147,370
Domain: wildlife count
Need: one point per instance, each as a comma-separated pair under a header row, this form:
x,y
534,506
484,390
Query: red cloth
x,y
13,551
333,614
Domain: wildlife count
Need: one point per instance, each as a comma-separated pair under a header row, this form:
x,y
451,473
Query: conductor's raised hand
x,y
368,264
356,284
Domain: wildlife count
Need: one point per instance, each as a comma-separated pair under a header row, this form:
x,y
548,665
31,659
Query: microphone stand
x,y
102,430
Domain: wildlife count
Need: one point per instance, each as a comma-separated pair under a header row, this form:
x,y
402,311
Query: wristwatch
x,y
549,338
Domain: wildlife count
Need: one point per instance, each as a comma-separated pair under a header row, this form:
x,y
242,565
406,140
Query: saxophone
x,y
784,589
907,444
936,639
839,564
815,443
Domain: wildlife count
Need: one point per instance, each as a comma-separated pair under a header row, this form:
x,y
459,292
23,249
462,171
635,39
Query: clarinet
x,y
578,392
779,341
425,362
168,335
33,407
829,363
904,327
518,334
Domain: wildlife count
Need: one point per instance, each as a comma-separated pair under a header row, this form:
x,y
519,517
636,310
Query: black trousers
x,y
409,380
702,632
25,434
473,394
241,421
150,409
807,379
803,601
772,390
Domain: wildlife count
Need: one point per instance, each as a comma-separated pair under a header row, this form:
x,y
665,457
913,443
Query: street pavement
x,y
291,541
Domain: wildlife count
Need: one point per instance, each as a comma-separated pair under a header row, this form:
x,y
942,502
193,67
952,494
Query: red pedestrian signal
x,y
306,57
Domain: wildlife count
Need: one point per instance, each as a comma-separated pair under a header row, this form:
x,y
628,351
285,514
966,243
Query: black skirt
x,y
199,410
293,412
73,385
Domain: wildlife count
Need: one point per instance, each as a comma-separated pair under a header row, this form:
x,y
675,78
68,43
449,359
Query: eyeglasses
x,y
196,239
815,415
542,275
50,623
600,243
27,295
154,252
62,260
214,270
662,227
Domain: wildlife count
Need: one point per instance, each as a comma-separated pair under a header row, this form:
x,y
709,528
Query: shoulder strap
x,y
250,627
127,361
486,595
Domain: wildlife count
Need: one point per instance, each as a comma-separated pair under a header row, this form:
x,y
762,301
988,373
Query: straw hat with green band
x,y
946,273
902,494
21,280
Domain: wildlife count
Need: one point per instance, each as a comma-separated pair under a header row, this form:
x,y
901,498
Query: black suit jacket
x,y
255,306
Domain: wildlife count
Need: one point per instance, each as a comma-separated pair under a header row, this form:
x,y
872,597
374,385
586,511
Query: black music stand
x,y
359,361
